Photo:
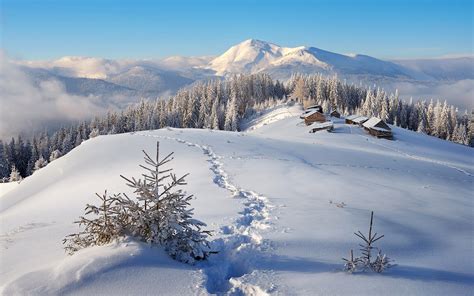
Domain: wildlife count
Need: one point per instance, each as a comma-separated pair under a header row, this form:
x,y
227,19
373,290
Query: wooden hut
x,y
327,126
311,109
378,128
314,116
336,114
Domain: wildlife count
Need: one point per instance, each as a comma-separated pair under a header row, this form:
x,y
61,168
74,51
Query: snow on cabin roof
x,y
310,113
372,122
352,117
360,119
322,124
381,129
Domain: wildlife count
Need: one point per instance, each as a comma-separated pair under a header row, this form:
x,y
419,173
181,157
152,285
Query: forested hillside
x,y
223,104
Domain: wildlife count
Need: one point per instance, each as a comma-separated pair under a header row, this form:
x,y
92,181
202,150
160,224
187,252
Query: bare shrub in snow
x,y
159,214
365,261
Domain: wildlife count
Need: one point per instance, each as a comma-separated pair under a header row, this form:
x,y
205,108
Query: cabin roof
x,y
314,107
351,117
360,119
376,124
322,124
307,114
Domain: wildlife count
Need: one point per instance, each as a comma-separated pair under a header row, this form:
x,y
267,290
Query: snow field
x,y
283,205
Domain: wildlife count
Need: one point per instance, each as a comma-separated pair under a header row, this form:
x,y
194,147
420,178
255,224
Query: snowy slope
x,y
271,194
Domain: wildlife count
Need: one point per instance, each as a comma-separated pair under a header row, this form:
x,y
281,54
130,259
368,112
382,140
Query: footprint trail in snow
x,y
227,272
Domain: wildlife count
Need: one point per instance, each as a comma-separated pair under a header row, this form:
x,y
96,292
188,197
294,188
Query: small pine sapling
x,y
164,216
100,230
368,245
381,261
159,213
351,263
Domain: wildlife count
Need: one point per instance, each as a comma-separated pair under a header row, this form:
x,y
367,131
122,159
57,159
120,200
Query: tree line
x,y
437,119
222,104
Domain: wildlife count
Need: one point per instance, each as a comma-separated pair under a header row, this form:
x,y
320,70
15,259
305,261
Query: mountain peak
x,y
254,55
256,43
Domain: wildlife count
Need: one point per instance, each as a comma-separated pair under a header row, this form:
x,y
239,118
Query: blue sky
x,y
155,29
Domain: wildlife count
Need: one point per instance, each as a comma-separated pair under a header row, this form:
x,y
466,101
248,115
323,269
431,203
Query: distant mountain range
x,y
254,56
135,79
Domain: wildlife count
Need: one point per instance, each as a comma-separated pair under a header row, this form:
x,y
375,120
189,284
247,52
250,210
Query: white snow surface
x,y
283,203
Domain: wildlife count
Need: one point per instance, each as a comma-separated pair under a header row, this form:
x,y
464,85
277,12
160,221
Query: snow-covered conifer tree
x,y
15,175
214,120
384,112
40,163
158,213
230,123
470,133
94,133
54,155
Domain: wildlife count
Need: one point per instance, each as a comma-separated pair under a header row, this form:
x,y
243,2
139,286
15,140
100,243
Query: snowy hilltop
x,y
282,203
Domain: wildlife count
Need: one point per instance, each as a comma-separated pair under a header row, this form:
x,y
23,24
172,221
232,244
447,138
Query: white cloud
x,y
26,106
459,93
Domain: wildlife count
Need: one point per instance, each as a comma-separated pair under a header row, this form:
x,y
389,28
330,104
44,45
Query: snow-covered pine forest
x,y
224,104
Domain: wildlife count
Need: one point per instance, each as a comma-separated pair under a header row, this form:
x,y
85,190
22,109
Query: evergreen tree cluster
x,y
432,118
222,104
218,104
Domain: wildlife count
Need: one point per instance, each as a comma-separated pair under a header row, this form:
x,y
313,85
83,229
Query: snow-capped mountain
x,y
253,56
282,203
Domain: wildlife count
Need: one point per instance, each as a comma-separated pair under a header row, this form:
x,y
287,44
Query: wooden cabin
x,y
336,114
313,116
327,126
378,128
310,109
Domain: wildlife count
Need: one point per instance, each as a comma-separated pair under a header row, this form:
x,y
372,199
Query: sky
x,y
47,29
